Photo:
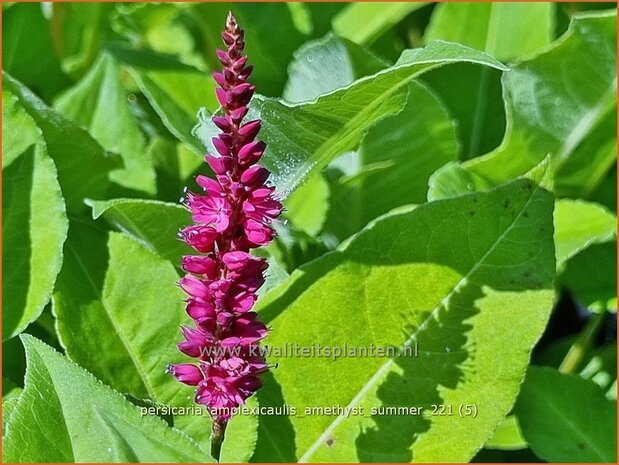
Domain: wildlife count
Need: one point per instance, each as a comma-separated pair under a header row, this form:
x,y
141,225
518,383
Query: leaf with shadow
x,y
34,226
466,280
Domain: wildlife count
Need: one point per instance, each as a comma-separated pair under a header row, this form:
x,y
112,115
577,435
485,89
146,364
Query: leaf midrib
x,y
119,333
432,315
588,440
323,150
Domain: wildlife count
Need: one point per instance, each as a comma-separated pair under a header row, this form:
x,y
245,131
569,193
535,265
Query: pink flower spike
x,y
220,165
194,287
200,238
229,219
194,342
221,122
255,176
251,153
186,373
210,186
250,130
199,264
221,146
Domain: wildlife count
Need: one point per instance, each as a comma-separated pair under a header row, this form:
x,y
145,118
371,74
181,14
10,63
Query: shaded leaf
x,y
81,162
27,40
100,104
397,157
503,30
175,90
572,116
591,276
573,423
34,227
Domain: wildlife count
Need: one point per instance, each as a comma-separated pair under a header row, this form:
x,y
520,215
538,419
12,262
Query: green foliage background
x,y
449,175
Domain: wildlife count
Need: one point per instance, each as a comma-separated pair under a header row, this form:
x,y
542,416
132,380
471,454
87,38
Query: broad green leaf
x,y
502,30
397,157
135,305
67,415
305,137
269,48
34,227
307,207
154,223
130,296
79,33
81,162
327,64
175,90
365,22
465,282
578,224
28,51
591,276
100,104
507,436
572,116
475,102
565,418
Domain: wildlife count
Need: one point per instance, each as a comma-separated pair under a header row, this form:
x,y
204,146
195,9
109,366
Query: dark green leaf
x,y
270,48
565,418
28,51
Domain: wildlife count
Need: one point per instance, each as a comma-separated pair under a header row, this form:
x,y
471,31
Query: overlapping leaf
x,y
34,222
66,415
572,116
100,103
82,164
305,137
504,30
453,278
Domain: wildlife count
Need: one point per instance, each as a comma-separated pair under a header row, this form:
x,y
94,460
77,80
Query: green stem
x,y
583,343
217,437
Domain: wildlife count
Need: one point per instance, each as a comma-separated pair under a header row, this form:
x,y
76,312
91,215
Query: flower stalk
x,y
231,217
